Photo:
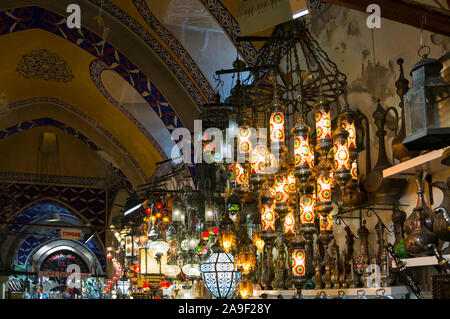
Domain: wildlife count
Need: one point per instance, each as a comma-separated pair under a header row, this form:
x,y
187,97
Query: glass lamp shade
x,y
258,159
307,215
227,240
209,210
277,126
171,271
347,121
227,236
245,288
219,274
289,223
246,259
427,105
326,223
354,170
301,145
323,188
280,189
298,261
240,175
258,241
192,270
323,121
159,246
341,153
176,210
147,262
244,140
268,217
291,182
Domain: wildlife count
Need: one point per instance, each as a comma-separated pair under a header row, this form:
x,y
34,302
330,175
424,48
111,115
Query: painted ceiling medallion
x,y
44,65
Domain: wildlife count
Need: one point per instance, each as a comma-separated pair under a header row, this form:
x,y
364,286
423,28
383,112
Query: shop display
x,y
251,179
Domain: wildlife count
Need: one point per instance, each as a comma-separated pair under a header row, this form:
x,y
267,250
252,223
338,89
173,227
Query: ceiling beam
x,y
405,11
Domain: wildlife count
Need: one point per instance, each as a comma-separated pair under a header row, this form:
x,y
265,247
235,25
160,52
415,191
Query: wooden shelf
x,y
430,162
389,291
421,261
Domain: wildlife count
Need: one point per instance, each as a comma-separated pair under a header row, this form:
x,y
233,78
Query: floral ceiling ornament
x,y
44,65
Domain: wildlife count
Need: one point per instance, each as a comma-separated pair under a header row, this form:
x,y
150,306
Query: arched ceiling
x,y
80,92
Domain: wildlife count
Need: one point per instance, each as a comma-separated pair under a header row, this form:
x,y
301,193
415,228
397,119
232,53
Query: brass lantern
x,y
227,235
427,108
245,260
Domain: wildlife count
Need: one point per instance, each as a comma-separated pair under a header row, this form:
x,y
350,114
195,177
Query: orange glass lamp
x,y
347,121
307,214
289,224
246,259
240,175
258,162
268,217
324,204
341,158
277,121
323,128
280,192
258,241
302,152
245,288
227,235
244,139
298,263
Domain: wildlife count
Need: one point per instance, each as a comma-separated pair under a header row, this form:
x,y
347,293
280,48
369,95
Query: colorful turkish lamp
x,y
298,263
347,120
245,288
307,214
258,162
258,241
268,217
289,224
324,203
292,188
427,105
244,139
240,175
227,235
280,189
323,128
302,152
341,158
276,121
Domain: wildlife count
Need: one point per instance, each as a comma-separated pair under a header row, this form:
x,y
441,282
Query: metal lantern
x,y
245,288
246,260
227,235
209,211
427,108
219,273
177,211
